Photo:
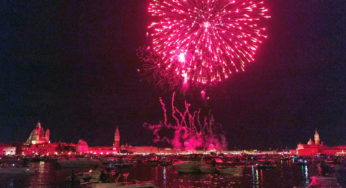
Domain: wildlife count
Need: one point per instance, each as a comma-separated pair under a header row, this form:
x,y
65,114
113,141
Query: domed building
x,y
38,136
316,146
38,143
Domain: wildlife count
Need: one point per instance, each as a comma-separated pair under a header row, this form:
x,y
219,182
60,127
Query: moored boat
x,y
16,171
266,164
207,168
320,181
123,185
231,171
79,163
187,166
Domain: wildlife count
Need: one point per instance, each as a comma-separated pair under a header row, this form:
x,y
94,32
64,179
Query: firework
x,y
189,132
204,41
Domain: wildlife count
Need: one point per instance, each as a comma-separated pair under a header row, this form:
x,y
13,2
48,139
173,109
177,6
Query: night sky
x,y
72,65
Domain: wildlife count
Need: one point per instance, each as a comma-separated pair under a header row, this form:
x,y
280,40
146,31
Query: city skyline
x,y
40,137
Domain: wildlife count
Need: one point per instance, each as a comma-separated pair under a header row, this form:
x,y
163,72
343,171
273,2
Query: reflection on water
x,y
305,173
43,171
164,174
285,175
255,177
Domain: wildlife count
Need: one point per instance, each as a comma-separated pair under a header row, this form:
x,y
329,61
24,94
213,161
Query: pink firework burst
x,y
204,41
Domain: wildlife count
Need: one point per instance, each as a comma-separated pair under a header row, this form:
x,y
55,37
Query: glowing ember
x,y
182,57
206,40
206,24
190,134
203,94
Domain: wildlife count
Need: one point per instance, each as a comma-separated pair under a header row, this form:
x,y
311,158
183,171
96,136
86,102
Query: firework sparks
x,y
190,133
203,41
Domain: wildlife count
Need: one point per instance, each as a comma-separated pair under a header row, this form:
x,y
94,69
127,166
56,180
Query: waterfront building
x,y
38,143
116,148
317,147
37,149
107,150
141,149
82,147
38,136
7,150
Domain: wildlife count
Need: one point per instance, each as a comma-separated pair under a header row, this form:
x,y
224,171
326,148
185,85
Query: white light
x,y
206,25
181,58
185,78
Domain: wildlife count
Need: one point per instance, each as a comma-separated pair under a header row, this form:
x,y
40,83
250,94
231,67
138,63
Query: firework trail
x,y
190,133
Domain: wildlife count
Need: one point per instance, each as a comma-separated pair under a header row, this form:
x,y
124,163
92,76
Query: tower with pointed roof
x,y
46,136
116,143
317,138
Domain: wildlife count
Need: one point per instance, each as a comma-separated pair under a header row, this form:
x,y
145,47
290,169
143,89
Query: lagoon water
x,y
285,175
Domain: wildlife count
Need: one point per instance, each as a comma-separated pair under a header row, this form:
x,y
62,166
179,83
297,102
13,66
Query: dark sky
x,y
72,65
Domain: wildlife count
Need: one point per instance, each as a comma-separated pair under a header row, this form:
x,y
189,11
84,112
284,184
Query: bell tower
x,y
317,138
47,135
116,143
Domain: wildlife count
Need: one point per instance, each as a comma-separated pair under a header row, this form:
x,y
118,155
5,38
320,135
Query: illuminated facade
x,y
106,150
317,147
7,150
38,143
37,149
82,147
38,136
141,149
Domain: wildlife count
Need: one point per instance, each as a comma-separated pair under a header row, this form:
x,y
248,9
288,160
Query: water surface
x,y
285,175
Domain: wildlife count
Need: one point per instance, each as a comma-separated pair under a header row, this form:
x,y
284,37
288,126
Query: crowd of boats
x,y
112,171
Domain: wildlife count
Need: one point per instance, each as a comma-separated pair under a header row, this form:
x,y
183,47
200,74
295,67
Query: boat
x,y
321,181
187,166
123,185
207,168
231,171
266,164
79,163
123,164
17,171
116,184
80,177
